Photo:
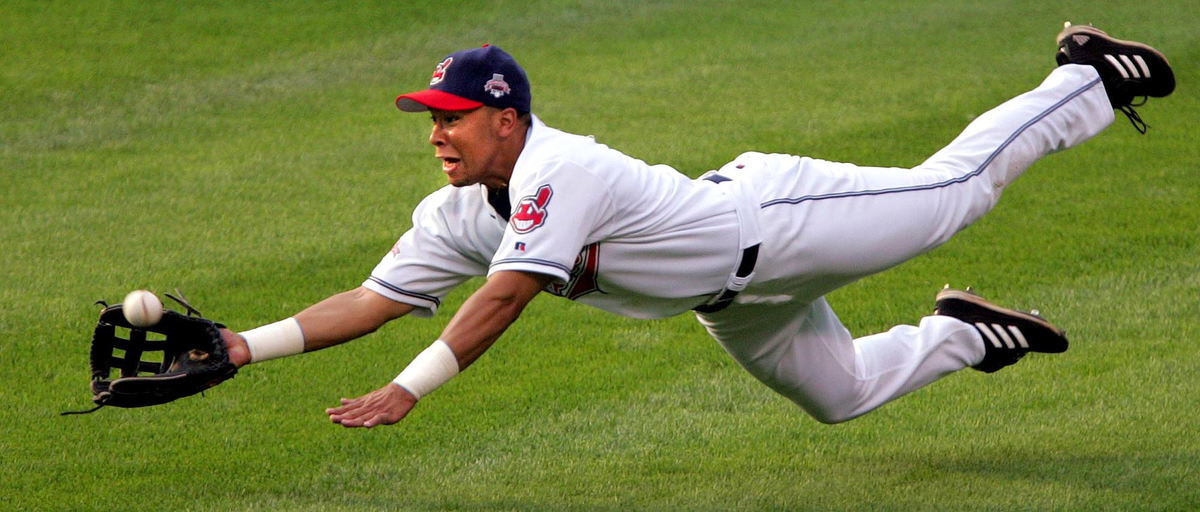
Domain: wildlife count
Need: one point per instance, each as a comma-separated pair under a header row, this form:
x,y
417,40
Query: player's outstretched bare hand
x,y
384,406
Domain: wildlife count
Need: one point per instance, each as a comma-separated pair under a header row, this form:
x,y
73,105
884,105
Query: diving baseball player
x,y
752,247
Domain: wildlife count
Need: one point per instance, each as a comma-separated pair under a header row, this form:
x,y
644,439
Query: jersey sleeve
x,y
555,213
443,249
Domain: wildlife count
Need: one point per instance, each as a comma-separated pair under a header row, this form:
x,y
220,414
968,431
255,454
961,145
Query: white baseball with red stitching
x,y
142,308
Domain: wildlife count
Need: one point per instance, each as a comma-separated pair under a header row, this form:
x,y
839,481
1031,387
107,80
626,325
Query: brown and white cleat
x,y
1129,69
1008,334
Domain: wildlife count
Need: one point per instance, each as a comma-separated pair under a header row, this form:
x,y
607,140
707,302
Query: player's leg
x,y
851,221
840,222
834,223
805,354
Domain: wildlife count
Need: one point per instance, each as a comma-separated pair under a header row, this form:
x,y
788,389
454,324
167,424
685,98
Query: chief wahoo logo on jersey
x,y
530,212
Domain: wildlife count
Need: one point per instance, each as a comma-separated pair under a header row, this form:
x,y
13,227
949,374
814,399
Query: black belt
x,y
745,268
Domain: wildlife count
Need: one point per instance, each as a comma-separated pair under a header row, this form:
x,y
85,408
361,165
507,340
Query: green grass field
x,y
249,155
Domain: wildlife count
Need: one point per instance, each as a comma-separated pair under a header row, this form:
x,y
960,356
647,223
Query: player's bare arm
x,y
489,312
335,320
477,325
346,316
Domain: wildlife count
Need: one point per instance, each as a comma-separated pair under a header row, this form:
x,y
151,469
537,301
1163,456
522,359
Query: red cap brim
x,y
421,101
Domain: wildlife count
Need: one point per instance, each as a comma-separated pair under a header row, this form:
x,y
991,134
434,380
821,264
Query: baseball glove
x,y
179,356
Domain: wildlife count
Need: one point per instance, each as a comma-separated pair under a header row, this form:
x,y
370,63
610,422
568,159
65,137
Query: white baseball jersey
x,y
645,241
639,240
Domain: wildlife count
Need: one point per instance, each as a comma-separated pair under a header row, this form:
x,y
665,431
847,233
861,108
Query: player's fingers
x,y
347,419
335,417
355,414
383,418
366,419
348,404
349,423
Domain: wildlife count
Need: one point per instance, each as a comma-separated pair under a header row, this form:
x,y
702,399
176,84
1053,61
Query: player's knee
x,y
830,414
828,408
832,419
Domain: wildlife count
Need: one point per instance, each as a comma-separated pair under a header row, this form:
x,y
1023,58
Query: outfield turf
x,y
249,155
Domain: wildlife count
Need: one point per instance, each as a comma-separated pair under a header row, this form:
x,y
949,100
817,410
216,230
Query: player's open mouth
x,y
449,163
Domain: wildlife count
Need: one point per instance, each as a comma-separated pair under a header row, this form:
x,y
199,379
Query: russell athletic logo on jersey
x,y
530,212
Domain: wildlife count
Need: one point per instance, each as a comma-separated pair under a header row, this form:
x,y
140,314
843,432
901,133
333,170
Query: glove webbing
x,y
106,343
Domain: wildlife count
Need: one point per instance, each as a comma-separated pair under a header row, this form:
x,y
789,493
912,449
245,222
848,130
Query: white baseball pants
x,y
827,224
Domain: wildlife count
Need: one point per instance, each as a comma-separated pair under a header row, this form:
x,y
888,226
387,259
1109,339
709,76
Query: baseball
x,y
142,308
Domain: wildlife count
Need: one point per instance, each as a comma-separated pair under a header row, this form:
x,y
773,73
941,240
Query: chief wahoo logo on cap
x,y
439,73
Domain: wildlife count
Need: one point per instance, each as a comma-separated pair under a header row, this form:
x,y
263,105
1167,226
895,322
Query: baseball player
x,y
752,248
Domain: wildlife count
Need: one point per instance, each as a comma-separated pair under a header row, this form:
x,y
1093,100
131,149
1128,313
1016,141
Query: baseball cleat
x,y
1008,334
1128,69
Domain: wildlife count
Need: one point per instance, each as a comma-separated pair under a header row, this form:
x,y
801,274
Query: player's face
x,y
469,147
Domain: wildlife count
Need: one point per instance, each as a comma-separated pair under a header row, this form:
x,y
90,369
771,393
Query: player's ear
x,y
507,121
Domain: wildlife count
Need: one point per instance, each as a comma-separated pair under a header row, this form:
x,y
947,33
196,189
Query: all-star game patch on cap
x,y
470,79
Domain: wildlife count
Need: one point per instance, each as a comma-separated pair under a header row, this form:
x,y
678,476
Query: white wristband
x,y
282,338
430,369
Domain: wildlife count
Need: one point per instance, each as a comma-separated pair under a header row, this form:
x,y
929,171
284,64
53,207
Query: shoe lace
x,y
1134,117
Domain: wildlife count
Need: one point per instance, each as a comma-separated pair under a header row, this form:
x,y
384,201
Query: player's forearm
x,y
337,319
488,313
478,323
346,316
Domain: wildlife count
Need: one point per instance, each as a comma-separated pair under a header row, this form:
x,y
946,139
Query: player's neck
x,y
510,152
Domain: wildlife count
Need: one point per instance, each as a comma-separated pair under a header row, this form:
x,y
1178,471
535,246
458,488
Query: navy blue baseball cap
x,y
470,79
